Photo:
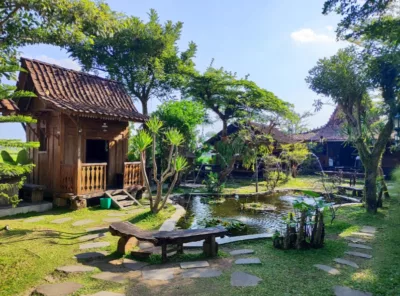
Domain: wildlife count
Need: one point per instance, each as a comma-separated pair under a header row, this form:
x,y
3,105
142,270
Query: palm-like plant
x,y
176,163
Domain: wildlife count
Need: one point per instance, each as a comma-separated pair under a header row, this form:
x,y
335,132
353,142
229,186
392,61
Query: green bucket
x,y
105,203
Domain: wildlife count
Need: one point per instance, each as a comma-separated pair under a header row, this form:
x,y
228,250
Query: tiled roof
x,y
80,93
7,106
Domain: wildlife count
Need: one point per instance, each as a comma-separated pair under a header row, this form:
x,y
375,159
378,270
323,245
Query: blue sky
x,y
275,41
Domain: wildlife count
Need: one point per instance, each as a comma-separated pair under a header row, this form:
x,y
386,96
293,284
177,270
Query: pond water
x,y
199,210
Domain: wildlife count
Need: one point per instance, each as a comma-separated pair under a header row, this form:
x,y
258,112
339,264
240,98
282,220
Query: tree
x,y
347,78
232,98
142,56
176,163
293,155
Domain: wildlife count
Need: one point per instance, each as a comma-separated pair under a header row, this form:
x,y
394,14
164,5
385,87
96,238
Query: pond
x,y
199,209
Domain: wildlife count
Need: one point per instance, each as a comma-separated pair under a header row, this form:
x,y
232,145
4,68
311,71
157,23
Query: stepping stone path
x,y
346,262
36,219
134,265
368,229
91,236
233,239
248,261
360,246
111,220
363,234
201,273
95,229
241,252
328,269
105,293
165,274
82,222
91,255
358,254
93,245
116,277
355,239
345,291
116,214
242,279
75,268
61,220
61,289
195,264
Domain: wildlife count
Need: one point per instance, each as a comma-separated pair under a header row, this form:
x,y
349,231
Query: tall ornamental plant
x,y
175,163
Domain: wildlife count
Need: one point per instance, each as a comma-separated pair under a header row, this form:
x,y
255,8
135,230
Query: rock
x,y
60,289
345,291
61,220
360,246
91,236
248,261
368,229
111,220
363,234
134,265
93,245
242,279
91,255
355,239
105,293
201,273
116,277
328,269
75,268
36,219
358,254
165,274
195,264
346,262
97,229
241,252
82,222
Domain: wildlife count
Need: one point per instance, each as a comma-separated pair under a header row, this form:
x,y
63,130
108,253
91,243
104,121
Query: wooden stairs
x,y
121,198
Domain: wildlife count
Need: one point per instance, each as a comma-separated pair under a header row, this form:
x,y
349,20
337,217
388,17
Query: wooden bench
x,y
33,192
354,191
131,234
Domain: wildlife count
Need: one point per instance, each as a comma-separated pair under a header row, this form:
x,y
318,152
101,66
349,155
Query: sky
x,y
276,42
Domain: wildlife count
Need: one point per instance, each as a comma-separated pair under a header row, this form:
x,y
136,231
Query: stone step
x,y
127,203
32,220
116,277
82,222
327,269
120,197
241,252
60,289
346,262
242,279
360,246
355,239
345,291
201,273
112,220
164,274
243,261
363,234
368,229
75,268
93,245
358,254
61,220
195,264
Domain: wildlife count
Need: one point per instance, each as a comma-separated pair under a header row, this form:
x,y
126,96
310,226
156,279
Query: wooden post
x,y
164,252
79,161
179,248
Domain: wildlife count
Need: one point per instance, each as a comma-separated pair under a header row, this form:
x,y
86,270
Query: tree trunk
x,y
224,128
145,110
370,188
301,236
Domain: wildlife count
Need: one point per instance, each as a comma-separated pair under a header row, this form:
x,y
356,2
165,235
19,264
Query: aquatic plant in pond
x,y
235,227
257,206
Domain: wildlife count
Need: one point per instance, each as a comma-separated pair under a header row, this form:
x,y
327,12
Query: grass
x,y
30,252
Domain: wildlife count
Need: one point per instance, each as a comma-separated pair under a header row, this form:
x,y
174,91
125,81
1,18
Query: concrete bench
x,y
354,191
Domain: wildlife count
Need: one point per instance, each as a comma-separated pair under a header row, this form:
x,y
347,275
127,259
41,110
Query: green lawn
x,y
31,251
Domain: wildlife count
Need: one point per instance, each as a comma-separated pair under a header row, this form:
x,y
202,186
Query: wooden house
x,y
83,129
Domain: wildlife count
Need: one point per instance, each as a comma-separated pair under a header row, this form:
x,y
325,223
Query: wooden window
x,y
42,137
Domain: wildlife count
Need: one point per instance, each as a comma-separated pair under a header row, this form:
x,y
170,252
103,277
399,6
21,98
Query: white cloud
x,y
66,63
329,28
309,36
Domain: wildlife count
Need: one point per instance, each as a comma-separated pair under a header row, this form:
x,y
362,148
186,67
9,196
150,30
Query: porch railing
x,y
68,178
132,174
92,178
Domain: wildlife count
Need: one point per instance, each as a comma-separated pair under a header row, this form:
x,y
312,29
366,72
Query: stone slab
x,y
243,261
360,246
92,236
106,293
134,265
201,273
368,229
358,254
194,264
32,220
82,222
98,229
60,289
90,255
93,245
61,220
165,274
241,252
75,268
328,269
346,262
355,239
345,291
116,277
363,234
116,214
145,245
242,279
24,207
233,239
112,220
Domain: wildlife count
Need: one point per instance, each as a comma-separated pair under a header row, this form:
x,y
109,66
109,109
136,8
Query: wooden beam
x,y
79,160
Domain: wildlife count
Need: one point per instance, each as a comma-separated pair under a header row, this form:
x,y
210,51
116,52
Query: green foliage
x,y
17,118
154,124
180,164
142,140
234,227
174,137
213,184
